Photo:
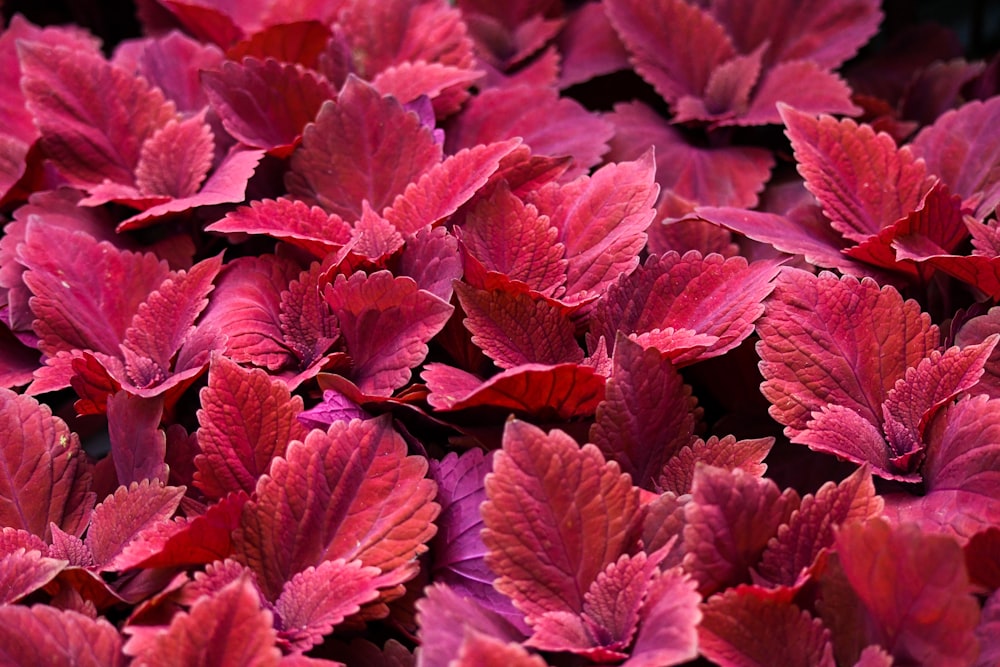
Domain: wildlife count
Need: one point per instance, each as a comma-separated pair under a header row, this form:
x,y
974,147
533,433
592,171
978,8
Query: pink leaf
x,y
668,633
138,446
515,329
93,117
862,180
962,451
601,221
124,515
24,572
647,414
29,632
266,104
840,430
299,41
825,93
228,629
368,500
557,515
821,344
484,651
308,227
247,419
730,520
175,159
432,258
319,598
728,453
589,46
558,392
915,589
741,628
409,81
386,322
360,129
44,475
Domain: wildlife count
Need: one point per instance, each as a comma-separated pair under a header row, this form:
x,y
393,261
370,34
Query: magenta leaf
x,y
175,159
122,517
557,515
741,628
811,527
360,128
821,346
710,296
515,329
309,227
647,415
138,445
677,475
782,84
601,222
563,391
45,478
386,322
228,629
368,501
319,598
334,407
484,651
266,104
433,259
668,634
29,632
862,180
962,452
24,572
730,520
915,589
93,117
247,419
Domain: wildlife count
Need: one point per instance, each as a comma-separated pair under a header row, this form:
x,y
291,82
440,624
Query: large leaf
x,y
138,445
367,500
247,419
291,220
29,632
963,453
122,517
557,516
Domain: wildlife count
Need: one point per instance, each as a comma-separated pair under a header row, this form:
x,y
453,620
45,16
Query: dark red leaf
x,y
556,517
247,419
172,62
138,446
299,42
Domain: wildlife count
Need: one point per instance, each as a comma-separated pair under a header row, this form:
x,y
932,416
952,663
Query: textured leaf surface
x,y
138,446
862,180
367,500
247,419
963,450
386,322
647,414
363,147
916,589
557,515
668,634
730,520
308,227
741,628
23,572
43,478
122,517
29,632
728,453
826,341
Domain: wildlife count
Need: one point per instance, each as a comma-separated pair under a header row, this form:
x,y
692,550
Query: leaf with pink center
x,y
557,515
386,323
368,501
247,419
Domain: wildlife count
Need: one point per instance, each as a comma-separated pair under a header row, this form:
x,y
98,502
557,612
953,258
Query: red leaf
x,y
94,118
647,415
602,221
247,419
266,104
409,81
661,37
710,296
963,452
138,446
308,227
728,453
319,598
44,475
386,322
362,147
446,186
175,159
810,530
368,500
558,392
122,517
547,123
515,329
589,46
432,259
713,176
862,180
228,629
556,517
742,628
915,589
172,62
730,520
24,572
26,633
668,634
307,325
299,42
821,346
961,149
825,93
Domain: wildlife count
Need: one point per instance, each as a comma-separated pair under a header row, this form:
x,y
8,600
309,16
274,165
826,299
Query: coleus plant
x,y
353,332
